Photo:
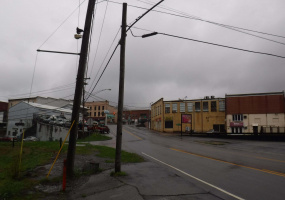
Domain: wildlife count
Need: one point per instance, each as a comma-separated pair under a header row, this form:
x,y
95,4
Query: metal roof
x,y
48,107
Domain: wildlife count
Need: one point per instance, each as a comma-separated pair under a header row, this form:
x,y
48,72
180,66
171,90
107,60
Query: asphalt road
x,y
229,169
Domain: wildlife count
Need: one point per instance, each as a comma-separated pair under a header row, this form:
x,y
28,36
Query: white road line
x,y
220,189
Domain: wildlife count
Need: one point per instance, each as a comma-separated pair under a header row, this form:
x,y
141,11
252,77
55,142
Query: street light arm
x,y
149,35
143,15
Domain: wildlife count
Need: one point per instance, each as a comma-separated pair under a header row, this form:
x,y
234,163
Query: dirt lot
x,y
51,188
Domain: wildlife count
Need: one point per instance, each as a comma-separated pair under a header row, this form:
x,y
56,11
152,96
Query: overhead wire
x,y
105,59
61,24
98,43
116,103
128,28
230,47
208,21
103,70
234,28
41,91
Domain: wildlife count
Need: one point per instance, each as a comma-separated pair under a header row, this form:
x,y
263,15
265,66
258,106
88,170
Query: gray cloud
x,y
156,67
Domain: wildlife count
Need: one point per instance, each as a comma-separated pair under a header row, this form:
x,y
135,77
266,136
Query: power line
x,y
198,18
144,15
61,24
56,89
104,60
99,40
269,54
103,70
116,103
234,28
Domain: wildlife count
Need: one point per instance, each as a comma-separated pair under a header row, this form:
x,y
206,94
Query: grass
x,y
117,174
12,179
12,183
95,137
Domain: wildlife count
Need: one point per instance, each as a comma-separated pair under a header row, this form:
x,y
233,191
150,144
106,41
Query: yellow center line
x,y
271,159
261,170
132,134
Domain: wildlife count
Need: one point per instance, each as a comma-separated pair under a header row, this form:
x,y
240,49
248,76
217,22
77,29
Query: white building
x,y
256,113
21,115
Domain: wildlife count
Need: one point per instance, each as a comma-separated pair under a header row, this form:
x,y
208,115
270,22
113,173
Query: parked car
x,y
101,128
67,123
31,138
8,138
45,118
60,121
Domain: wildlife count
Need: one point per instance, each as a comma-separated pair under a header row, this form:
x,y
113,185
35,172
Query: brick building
x,y
198,115
96,111
255,113
136,116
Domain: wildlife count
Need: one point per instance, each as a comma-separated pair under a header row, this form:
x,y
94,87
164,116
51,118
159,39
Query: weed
x,y
117,174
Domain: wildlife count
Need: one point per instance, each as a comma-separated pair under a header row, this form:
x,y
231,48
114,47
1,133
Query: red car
x,y
8,138
101,128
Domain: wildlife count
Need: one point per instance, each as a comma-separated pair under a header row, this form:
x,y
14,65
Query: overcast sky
x,y
156,67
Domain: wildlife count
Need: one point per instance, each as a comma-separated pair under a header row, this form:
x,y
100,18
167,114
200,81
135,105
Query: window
x,y
102,107
182,107
168,124
197,107
205,106
222,105
167,108
174,107
103,114
157,110
213,106
98,114
94,114
95,107
238,117
98,107
190,107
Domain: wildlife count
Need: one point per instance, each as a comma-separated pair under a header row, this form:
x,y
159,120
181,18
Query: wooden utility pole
x,y
78,89
121,90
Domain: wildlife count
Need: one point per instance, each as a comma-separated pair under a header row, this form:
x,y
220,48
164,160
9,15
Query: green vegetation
x,y
14,182
12,178
95,137
126,157
116,174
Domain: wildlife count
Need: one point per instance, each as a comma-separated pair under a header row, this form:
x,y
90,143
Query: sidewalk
x,y
144,181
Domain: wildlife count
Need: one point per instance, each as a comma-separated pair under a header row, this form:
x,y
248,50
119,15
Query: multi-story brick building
x,y
136,116
198,115
255,113
96,110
